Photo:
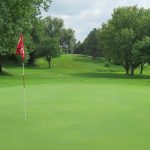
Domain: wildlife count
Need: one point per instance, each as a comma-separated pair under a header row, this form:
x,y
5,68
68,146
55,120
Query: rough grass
x,y
76,105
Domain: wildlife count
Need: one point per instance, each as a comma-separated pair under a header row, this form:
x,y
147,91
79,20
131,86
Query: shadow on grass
x,y
83,56
103,70
109,75
38,68
4,73
87,59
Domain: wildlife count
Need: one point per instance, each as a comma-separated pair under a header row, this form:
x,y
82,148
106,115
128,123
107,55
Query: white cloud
x,y
84,15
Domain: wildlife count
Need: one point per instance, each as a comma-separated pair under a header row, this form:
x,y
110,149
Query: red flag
x,y
20,48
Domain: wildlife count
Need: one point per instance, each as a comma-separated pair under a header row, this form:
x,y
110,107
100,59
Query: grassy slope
x,y
72,68
77,105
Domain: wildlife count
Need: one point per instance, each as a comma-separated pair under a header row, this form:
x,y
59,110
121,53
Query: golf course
x,y
77,104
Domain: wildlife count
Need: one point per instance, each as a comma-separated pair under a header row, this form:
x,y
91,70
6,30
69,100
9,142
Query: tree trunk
x,y
1,68
141,70
108,59
93,56
127,71
49,58
132,70
126,67
49,64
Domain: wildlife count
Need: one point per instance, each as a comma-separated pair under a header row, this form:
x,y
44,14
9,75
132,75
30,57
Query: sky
x,y
85,15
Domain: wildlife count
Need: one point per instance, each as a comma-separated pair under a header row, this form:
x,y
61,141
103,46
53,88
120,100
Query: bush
x,y
106,64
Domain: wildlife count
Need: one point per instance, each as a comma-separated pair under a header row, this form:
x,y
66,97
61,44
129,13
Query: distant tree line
x,y
43,37
124,39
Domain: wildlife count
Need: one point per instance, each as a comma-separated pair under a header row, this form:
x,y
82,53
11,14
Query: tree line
x,y
124,39
43,37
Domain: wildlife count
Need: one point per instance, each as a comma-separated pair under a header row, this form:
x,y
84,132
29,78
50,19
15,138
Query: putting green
x,y
75,109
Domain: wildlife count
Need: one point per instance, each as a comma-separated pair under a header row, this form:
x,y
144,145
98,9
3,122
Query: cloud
x,y
84,15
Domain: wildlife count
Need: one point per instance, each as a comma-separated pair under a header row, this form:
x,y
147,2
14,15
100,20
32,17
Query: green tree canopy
x,y
49,40
68,40
121,32
92,44
141,52
17,16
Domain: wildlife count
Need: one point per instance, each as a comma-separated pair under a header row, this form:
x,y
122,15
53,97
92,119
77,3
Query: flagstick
x,y
25,105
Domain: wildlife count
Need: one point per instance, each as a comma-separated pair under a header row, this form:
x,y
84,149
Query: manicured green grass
x,y
76,105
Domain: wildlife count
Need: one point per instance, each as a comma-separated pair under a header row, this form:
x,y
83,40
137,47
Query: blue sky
x,y
84,15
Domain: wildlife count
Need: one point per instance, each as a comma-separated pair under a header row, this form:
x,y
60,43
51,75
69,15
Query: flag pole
x,y
20,51
25,105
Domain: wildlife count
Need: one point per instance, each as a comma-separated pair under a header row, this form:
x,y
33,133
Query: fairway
x,y
78,104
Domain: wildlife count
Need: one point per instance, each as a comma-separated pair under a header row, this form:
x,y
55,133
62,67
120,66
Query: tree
x,y
37,36
91,44
121,32
78,48
50,49
17,17
141,52
123,45
49,45
106,42
67,40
